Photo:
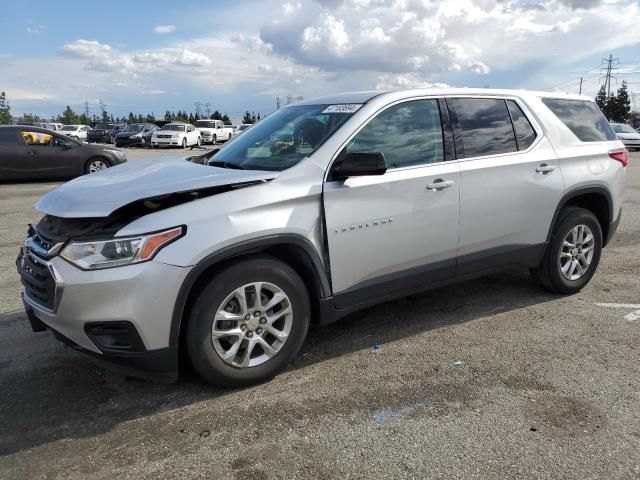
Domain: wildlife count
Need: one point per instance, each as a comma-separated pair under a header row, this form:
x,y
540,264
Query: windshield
x,y
621,128
282,139
104,126
174,128
133,128
68,128
205,124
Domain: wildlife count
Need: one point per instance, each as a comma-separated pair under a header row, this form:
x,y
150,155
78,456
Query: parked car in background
x,y
58,126
627,135
176,134
228,263
136,134
104,132
30,153
213,131
79,132
242,128
233,129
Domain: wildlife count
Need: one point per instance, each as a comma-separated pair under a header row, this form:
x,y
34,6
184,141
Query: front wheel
x,y
198,142
248,322
95,165
572,256
184,143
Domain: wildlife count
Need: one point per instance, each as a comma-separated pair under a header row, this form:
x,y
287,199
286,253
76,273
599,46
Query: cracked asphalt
x,y
492,378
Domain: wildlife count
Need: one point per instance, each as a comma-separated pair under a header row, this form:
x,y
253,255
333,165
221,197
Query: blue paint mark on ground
x,y
384,415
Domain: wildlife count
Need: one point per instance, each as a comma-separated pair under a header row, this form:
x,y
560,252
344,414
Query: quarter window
x,y
486,126
583,118
406,134
525,134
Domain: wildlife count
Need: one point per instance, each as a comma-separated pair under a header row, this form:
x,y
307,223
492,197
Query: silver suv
x,y
323,208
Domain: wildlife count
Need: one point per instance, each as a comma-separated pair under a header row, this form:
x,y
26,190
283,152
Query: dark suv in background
x,y
135,134
104,132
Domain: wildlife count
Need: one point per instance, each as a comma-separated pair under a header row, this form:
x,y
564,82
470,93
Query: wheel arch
x,y
294,250
596,199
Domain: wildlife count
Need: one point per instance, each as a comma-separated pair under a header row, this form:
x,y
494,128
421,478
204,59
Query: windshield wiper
x,y
222,164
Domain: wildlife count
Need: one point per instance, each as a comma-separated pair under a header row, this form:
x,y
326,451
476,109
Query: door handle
x,y
544,168
440,184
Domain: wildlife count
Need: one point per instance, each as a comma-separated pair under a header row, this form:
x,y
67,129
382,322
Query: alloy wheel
x,y
97,165
252,324
577,252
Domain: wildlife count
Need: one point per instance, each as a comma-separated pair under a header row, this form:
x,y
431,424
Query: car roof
x,y
366,96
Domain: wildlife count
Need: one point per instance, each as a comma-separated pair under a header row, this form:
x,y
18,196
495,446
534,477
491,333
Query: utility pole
x,y
103,108
580,86
278,103
608,76
86,108
197,105
208,105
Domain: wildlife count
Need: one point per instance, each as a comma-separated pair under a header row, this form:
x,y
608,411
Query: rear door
x,y
13,155
397,231
510,183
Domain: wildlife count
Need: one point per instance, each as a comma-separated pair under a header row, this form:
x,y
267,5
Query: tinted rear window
x,y
583,118
525,134
486,126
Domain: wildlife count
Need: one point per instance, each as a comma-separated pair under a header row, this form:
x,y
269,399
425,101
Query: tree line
x,y
69,117
616,107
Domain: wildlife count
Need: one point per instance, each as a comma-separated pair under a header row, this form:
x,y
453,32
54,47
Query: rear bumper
x,y
613,227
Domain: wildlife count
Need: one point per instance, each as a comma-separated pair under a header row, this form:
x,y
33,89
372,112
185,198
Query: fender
x,y
243,248
571,194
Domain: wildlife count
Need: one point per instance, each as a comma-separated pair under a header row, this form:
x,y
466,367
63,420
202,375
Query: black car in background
x,y
30,153
104,132
136,134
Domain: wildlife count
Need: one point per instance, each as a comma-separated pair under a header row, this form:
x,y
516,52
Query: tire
x,y
96,164
198,142
214,140
205,350
558,255
184,143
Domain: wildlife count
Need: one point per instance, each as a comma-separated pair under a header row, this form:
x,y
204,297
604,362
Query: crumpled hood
x,y
101,193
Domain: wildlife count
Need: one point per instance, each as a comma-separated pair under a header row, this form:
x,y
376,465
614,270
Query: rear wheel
x,y
248,322
573,254
95,165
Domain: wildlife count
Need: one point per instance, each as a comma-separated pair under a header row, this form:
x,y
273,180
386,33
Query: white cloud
x,y
103,57
410,80
431,37
164,29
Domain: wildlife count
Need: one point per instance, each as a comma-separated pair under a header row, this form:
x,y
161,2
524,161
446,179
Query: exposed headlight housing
x,y
117,252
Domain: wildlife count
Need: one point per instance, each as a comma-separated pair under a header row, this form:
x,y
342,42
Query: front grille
x,y
39,284
164,136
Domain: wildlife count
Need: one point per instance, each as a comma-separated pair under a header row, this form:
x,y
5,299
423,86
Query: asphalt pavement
x,y
492,378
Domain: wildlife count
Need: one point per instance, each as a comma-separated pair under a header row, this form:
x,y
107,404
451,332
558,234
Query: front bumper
x,y
166,142
129,142
631,143
140,297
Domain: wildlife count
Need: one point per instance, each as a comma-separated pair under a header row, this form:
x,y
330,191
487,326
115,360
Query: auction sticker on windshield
x,y
343,108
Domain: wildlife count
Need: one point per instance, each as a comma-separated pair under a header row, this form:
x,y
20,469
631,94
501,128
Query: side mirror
x,y
356,164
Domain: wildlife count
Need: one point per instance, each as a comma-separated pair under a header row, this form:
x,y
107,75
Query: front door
x,y
398,231
48,155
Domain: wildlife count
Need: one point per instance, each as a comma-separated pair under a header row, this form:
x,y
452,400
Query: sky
x,y
152,56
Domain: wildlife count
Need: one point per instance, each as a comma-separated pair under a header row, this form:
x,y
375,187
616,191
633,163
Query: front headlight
x,y
137,135
117,252
117,153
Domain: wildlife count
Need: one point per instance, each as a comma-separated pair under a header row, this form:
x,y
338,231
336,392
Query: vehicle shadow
x,y
50,393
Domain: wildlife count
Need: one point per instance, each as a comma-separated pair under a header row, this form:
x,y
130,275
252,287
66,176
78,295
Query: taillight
x,y
621,155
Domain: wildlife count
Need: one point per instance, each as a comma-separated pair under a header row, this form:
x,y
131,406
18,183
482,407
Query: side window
x,y
583,118
486,126
32,138
407,134
8,137
525,134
